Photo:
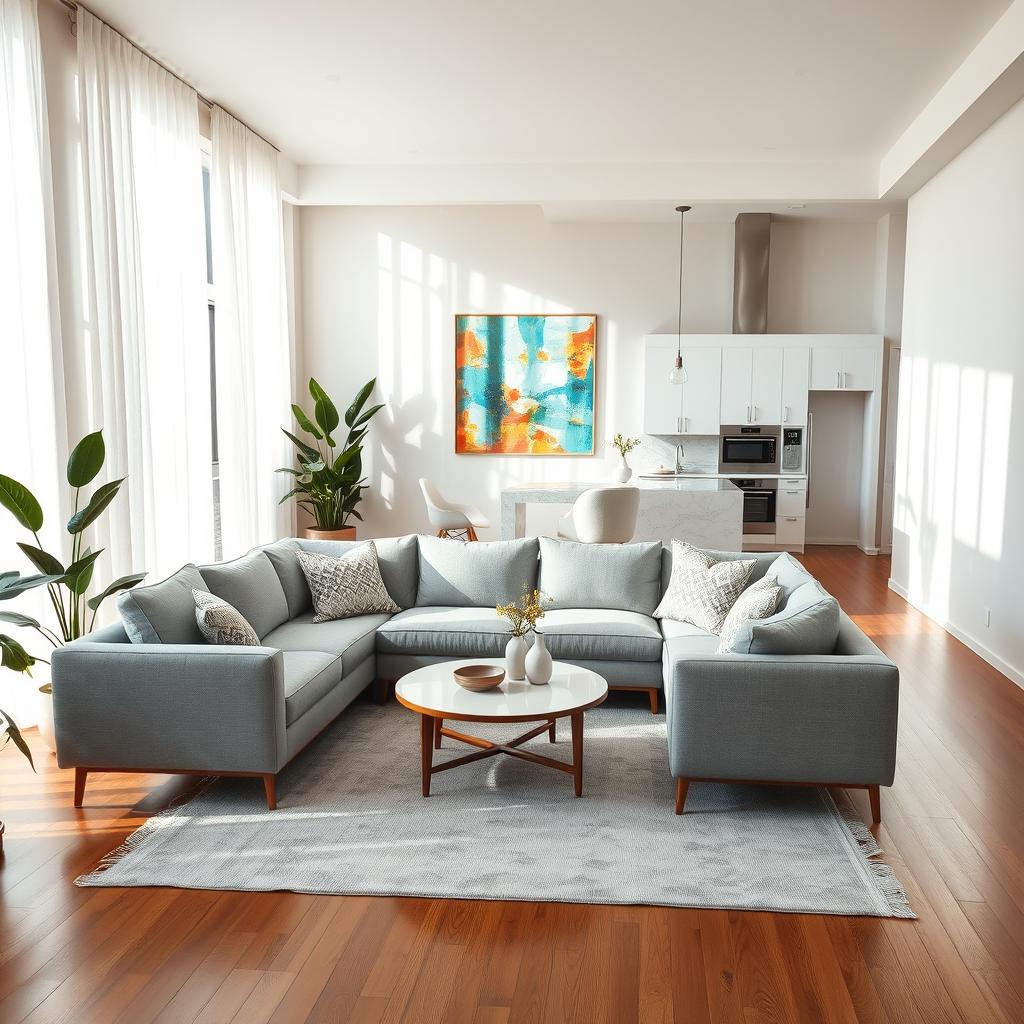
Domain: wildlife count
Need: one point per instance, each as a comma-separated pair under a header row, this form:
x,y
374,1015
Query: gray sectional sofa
x,y
149,694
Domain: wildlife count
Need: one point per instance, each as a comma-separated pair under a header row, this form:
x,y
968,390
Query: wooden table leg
x,y
426,750
577,752
438,726
551,731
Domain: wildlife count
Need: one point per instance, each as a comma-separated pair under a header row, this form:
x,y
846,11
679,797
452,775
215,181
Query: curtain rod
x,y
72,6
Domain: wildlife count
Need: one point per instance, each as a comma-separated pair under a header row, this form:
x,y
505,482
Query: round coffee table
x,y
435,696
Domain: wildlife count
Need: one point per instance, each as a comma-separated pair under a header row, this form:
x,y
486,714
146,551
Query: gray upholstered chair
x,y
602,515
449,518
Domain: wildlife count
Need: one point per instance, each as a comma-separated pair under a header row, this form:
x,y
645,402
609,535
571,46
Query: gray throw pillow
x,y
163,612
222,623
480,574
807,624
701,590
758,601
620,576
788,573
346,586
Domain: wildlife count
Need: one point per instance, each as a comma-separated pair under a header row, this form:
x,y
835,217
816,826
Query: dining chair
x,y
449,519
602,515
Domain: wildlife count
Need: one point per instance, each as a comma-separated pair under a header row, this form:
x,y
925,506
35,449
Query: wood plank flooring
x,y
953,825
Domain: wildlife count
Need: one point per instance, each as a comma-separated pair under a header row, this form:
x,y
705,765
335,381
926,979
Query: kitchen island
x,y
707,513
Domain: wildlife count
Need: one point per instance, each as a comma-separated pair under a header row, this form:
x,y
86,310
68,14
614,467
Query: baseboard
x,y
1012,673
871,551
838,541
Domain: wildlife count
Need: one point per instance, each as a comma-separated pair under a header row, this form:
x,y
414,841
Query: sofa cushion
x,y
479,574
446,632
789,574
626,576
808,624
762,561
251,585
308,677
605,634
684,639
351,639
164,612
396,559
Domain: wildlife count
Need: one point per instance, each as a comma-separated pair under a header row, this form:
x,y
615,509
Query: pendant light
x,y
678,374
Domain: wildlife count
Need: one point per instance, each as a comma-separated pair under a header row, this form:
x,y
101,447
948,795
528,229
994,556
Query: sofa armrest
x,y
169,706
829,719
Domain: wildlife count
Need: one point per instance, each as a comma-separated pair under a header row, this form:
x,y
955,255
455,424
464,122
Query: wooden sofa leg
x,y
652,695
682,785
875,796
81,774
270,788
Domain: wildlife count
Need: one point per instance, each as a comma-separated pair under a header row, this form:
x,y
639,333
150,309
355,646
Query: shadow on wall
x,y
418,294
953,455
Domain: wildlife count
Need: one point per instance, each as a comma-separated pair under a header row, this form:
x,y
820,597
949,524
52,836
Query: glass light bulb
x,y
677,374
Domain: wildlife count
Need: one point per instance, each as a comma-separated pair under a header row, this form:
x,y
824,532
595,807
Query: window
x,y
218,546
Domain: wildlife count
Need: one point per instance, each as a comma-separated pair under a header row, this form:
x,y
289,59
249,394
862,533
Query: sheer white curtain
x,y
253,360
32,427
148,340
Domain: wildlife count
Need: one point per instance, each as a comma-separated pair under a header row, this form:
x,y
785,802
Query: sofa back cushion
x,y
789,574
808,623
762,561
396,558
624,576
164,612
250,584
479,574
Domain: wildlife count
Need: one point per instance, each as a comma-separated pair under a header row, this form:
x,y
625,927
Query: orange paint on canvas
x,y
579,350
465,434
544,443
469,350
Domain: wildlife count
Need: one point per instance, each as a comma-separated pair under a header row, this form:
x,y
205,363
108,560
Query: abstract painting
x,y
524,385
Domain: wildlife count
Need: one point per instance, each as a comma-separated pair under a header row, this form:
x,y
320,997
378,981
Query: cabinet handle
x,y
839,382
844,378
679,424
785,414
753,417
791,519
792,492
686,421
748,413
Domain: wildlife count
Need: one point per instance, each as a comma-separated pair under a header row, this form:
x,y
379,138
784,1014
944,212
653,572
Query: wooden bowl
x,y
479,677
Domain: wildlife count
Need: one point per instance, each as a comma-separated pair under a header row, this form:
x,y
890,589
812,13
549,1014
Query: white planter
x,y
515,658
538,662
622,472
44,713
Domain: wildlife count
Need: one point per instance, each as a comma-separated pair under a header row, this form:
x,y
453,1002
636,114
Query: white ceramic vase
x,y
538,662
515,658
44,714
622,472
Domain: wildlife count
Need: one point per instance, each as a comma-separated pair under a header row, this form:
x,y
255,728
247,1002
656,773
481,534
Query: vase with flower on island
x,y
522,616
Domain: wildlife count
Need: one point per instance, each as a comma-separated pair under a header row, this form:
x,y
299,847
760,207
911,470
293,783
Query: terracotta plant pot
x,y
349,533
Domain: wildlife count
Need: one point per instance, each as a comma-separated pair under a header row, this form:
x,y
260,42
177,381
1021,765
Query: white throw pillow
x,y
701,590
758,601
222,623
346,586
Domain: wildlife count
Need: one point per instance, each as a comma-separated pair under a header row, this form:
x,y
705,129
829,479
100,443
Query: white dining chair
x,y
449,519
602,515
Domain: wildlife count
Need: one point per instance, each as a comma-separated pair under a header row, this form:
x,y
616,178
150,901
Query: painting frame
x,y
461,404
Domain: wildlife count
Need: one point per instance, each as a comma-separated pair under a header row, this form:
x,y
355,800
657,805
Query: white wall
x,y
958,547
833,509
380,286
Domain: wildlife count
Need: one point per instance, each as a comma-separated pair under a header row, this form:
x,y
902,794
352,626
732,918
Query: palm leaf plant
x,y
329,482
67,585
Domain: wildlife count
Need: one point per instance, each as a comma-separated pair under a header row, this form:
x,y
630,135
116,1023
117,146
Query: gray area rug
x,y
351,820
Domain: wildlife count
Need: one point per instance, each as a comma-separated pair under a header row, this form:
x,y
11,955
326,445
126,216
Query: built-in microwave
x,y
749,449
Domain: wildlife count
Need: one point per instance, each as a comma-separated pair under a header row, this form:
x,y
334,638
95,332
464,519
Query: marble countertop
x,y
684,485
687,475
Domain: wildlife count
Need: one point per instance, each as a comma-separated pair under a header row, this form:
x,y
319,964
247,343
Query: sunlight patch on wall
x,y
996,449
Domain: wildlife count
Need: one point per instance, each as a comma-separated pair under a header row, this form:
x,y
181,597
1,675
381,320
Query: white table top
x,y
432,690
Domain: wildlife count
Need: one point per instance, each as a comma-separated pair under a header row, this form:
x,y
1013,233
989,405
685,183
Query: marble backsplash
x,y
700,453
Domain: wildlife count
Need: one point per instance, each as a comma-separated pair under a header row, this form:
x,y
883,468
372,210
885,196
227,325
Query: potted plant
x,y
10,731
625,445
67,586
329,483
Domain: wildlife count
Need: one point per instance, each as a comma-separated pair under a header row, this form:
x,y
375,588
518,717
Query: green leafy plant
x,y
328,485
625,444
11,733
68,585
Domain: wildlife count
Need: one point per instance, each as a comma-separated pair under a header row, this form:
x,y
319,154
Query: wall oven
x,y
746,449
758,504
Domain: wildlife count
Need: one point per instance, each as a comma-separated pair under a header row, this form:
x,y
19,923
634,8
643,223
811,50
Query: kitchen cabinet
x,y
843,369
790,532
751,385
691,408
796,363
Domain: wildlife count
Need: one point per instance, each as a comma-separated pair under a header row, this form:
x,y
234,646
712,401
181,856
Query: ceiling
x,y
564,81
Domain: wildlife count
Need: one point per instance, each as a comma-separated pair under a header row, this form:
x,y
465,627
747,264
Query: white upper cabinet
x,y
766,386
843,369
663,402
736,367
751,385
702,390
796,363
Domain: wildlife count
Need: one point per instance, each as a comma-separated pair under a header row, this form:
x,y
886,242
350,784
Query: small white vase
x,y
622,472
515,658
538,662
44,714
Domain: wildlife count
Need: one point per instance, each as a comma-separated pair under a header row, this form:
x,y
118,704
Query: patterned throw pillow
x,y
346,586
222,623
702,590
758,601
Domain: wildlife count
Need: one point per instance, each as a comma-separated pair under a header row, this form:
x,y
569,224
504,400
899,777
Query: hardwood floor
x,y
953,825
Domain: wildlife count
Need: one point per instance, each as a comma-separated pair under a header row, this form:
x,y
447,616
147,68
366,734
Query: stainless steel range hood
x,y
750,273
